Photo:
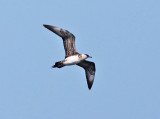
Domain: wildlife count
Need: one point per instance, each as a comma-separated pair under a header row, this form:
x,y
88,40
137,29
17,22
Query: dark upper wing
x,y
90,70
68,39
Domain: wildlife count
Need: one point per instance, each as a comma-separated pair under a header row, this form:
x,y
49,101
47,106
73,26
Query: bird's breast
x,y
72,60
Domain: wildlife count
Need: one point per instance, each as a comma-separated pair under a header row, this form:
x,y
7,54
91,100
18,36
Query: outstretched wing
x,y
90,70
68,39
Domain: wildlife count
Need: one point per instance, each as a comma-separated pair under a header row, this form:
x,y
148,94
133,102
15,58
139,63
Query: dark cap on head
x,y
88,56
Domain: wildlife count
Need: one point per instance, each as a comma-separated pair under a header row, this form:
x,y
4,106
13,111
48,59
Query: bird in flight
x,y
72,57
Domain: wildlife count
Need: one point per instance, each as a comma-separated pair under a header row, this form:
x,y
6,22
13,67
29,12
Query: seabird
x,y
72,57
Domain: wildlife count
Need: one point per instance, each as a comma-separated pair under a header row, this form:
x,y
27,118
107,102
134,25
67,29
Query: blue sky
x,y
123,38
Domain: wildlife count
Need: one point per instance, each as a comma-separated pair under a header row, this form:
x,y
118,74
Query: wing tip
x,y
89,86
45,25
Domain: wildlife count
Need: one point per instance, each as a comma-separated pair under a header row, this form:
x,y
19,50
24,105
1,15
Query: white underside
x,y
72,60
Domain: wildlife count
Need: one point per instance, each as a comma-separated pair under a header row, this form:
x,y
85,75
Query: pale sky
x,y
122,36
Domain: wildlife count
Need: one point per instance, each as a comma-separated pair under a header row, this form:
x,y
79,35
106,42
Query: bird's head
x,y
88,56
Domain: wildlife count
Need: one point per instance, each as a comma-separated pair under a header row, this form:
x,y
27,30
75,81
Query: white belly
x,y
71,60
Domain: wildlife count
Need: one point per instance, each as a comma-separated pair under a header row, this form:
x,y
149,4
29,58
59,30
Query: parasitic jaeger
x,y
72,57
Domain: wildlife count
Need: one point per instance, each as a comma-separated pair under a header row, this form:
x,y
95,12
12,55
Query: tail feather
x,y
58,65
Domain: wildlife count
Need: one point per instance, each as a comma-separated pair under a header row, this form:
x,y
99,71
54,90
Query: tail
x,y
58,65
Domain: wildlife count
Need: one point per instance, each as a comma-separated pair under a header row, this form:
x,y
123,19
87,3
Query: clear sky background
x,y
122,36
